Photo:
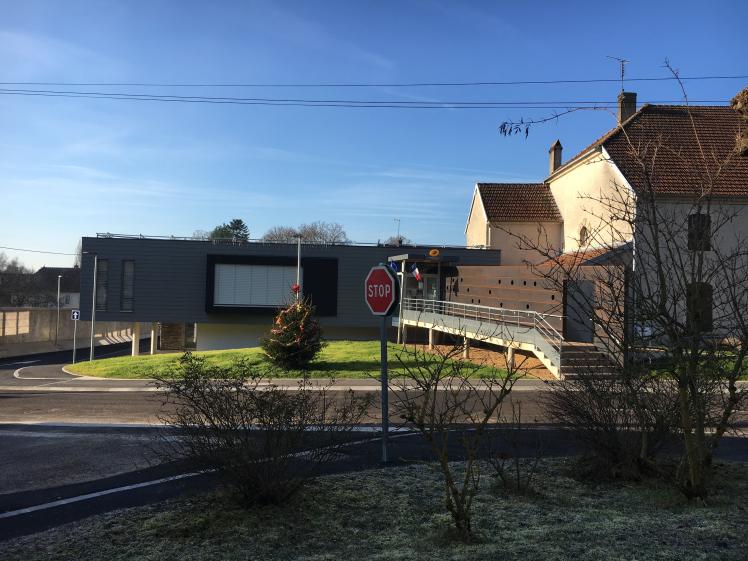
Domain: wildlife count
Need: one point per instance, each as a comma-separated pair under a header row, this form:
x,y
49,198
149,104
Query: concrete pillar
x,y
405,335
135,339
154,337
510,357
466,348
431,339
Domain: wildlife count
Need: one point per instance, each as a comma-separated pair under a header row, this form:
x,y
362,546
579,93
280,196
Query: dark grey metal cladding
x,y
170,277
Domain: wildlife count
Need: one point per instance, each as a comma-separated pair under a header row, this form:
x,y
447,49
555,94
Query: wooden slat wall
x,y
511,287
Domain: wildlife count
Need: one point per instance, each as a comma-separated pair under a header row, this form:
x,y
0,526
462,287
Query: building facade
x,y
211,295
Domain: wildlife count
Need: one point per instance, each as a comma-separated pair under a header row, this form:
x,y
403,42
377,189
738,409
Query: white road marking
x,y
20,362
79,498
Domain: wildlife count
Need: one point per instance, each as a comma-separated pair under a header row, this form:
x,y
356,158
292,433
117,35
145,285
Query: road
x,y
89,445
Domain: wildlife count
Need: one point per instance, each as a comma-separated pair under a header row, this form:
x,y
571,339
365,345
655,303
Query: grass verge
x,y
342,359
397,514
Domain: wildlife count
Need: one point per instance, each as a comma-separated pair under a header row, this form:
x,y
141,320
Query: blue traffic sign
x,y
75,315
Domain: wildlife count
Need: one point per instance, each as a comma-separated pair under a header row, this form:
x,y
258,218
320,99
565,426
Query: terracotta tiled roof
x,y
519,202
664,137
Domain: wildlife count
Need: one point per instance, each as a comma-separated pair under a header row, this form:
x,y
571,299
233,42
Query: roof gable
x,y
518,202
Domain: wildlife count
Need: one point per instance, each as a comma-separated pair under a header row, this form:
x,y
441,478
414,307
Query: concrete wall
x,y
35,325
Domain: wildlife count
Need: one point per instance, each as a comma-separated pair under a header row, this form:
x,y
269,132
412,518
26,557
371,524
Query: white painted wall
x,y
580,191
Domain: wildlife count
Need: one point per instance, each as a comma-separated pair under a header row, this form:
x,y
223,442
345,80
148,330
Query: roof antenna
x,y
622,62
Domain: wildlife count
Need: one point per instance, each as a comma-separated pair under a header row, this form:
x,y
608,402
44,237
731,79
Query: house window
x,y
584,236
127,294
102,284
699,232
253,285
699,296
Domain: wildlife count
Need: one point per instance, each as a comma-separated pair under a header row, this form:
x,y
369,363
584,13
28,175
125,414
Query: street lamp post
x,y
93,306
57,327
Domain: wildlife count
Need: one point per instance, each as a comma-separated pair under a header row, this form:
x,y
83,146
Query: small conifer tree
x,y
295,338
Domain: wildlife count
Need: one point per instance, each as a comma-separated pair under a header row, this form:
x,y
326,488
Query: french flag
x,y
416,273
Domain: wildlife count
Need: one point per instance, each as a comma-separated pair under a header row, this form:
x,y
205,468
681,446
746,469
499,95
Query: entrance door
x,y
431,287
578,311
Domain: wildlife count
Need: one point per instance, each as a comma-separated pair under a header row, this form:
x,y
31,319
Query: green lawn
x,y
342,359
398,514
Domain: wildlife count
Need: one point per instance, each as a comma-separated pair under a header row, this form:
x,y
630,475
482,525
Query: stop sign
x,y
380,290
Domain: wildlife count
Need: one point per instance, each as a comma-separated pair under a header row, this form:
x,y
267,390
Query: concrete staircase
x,y
584,359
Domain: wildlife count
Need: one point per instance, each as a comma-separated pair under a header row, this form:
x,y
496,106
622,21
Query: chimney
x,y
555,156
626,105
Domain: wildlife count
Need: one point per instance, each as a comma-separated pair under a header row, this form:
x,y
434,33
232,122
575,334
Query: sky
x,y
72,167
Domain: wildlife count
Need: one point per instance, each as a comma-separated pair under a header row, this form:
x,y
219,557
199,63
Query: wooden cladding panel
x,y
511,287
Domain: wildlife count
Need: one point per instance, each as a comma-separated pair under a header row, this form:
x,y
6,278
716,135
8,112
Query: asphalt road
x,y
63,437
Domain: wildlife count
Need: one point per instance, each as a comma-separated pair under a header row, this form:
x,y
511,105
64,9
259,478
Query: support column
x,y
510,358
466,348
154,337
405,334
431,339
135,339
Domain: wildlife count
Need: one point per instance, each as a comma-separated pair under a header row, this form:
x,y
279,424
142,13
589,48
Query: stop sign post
x,y
381,295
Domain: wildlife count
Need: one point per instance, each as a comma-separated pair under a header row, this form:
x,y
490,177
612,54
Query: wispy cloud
x,y
310,34
26,56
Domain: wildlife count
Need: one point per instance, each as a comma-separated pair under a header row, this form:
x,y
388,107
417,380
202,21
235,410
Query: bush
x,y
263,441
435,394
621,422
295,339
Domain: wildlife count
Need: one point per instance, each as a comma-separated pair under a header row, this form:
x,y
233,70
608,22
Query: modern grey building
x,y
216,294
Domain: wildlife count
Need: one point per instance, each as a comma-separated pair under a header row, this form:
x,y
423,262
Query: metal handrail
x,y
515,318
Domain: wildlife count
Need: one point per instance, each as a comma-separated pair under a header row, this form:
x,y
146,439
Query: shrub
x,y
264,441
295,339
440,397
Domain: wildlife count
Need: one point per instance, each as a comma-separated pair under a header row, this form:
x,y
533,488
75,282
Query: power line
x,y
369,84
347,101
36,251
387,104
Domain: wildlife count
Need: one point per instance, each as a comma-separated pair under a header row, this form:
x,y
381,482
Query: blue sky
x,y
72,167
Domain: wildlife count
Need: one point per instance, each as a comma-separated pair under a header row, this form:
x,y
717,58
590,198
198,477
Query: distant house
x,y
39,289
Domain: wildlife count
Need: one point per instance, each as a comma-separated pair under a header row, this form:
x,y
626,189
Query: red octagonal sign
x,y
380,290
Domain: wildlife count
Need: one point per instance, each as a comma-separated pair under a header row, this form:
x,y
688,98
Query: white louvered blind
x,y
252,285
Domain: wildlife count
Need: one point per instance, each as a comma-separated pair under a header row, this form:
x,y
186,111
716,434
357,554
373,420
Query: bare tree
x,y
78,259
444,399
670,305
323,232
281,234
314,232
398,241
202,235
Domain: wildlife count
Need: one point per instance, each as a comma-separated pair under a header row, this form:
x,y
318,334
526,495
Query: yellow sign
x,y
434,253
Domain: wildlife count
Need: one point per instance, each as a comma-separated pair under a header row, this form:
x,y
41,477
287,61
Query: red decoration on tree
x,y
295,338
295,288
